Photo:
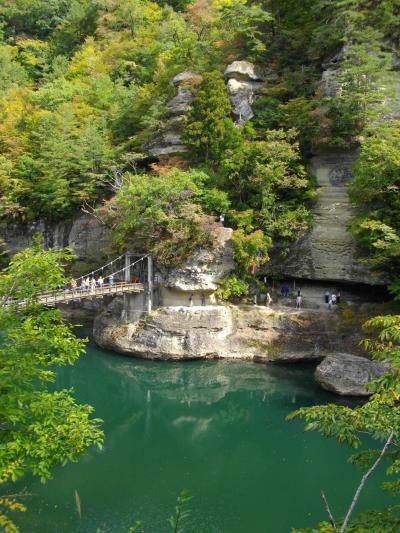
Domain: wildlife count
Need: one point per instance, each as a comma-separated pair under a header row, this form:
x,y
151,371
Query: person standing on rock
x,y
286,290
268,299
222,218
191,300
298,300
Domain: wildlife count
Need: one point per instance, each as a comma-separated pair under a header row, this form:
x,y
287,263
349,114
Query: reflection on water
x,y
216,429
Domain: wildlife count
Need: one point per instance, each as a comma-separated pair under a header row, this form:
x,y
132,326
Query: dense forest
x,y
84,86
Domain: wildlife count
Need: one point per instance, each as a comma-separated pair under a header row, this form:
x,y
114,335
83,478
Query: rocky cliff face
x,y
237,332
87,237
328,252
168,141
245,82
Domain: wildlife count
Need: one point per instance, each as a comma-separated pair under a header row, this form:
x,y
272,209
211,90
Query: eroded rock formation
x,y
237,332
245,82
205,268
168,141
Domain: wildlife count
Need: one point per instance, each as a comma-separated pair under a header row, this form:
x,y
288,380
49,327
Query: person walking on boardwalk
x,y
92,285
87,283
111,280
73,286
100,281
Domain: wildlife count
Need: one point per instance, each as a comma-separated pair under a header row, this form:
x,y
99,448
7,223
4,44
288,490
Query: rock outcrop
x,y
328,252
168,141
236,332
347,374
245,82
84,234
205,268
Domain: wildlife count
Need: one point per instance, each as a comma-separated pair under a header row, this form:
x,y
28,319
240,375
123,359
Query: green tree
x,y
365,85
37,18
268,177
160,215
210,131
39,428
375,191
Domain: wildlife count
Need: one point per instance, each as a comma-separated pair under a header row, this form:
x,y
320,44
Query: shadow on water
x,y
215,428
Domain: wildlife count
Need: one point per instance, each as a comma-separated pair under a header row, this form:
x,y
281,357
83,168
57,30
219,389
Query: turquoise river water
x,y
216,429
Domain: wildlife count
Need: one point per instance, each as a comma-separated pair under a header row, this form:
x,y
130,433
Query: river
x,y
216,429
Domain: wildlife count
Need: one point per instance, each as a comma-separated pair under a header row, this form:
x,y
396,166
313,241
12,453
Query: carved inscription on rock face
x,y
340,175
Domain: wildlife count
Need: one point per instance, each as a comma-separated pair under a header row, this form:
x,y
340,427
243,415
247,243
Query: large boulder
x,y
242,95
347,374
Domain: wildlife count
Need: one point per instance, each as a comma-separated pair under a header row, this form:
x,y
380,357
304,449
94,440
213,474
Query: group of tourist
x,y
89,283
332,298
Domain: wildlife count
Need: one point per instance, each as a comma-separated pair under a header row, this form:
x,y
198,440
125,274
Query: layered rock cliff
x,y
237,332
328,252
85,235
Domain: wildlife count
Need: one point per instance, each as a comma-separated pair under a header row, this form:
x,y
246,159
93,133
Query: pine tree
x,y
210,130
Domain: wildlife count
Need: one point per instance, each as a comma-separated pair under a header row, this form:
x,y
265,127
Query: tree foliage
x,y
375,191
40,428
210,130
